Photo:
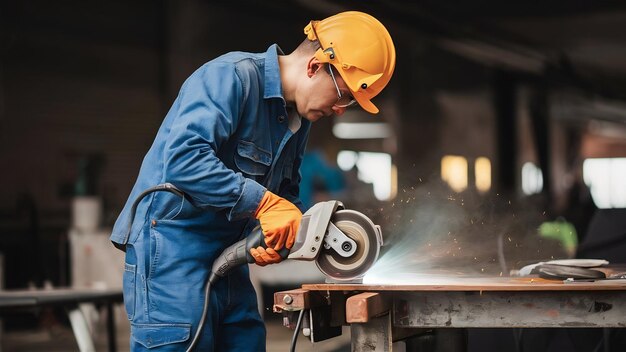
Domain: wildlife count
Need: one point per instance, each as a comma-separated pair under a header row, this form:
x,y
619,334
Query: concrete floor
x,y
59,338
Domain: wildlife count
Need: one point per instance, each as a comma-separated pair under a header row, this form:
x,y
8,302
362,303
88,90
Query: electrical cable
x,y
294,339
205,309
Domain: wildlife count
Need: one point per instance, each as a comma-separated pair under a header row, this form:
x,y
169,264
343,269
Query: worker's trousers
x,y
164,280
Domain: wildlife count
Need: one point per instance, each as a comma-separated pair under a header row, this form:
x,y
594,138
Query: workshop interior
x,y
482,209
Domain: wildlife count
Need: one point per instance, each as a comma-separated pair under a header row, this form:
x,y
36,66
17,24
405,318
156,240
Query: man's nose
x,y
338,110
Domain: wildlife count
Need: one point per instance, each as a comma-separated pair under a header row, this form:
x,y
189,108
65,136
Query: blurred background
x,y
501,139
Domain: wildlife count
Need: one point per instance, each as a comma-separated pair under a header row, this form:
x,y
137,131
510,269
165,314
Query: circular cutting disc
x,y
362,231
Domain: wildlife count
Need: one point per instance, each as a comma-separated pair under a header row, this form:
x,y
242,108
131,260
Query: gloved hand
x,y
264,256
280,220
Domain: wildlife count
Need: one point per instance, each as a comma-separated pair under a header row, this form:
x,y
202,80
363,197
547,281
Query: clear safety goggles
x,y
344,99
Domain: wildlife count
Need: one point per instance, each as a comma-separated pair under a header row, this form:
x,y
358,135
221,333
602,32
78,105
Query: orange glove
x,y
280,220
264,256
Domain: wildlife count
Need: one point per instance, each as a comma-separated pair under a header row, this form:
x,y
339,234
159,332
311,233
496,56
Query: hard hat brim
x,y
365,103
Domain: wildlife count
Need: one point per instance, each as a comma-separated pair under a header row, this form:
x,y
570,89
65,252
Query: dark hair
x,y
308,46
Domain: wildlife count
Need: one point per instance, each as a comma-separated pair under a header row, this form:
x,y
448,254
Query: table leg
x,y
111,328
81,330
375,335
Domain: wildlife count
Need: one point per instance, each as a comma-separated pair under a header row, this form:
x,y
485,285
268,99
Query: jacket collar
x,y
273,86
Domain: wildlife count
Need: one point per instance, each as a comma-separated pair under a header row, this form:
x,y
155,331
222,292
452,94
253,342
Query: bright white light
x,y
346,159
532,179
606,178
374,168
361,130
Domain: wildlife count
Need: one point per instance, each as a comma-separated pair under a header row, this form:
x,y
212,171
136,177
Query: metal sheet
x,y
476,284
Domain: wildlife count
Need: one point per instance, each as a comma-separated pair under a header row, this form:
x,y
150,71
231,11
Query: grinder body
x,y
344,243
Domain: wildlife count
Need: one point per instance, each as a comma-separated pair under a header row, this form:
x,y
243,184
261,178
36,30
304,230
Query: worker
x,y
230,149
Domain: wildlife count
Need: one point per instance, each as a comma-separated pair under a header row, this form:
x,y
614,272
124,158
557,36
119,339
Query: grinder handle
x,y
239,253
255,239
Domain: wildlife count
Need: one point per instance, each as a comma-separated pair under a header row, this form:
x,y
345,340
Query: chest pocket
x,y
251,159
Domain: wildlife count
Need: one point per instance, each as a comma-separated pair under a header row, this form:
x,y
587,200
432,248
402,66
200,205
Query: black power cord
x,y
294,339
205,309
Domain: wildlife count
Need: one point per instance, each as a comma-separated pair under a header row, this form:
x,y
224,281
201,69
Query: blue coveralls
x,y
225,140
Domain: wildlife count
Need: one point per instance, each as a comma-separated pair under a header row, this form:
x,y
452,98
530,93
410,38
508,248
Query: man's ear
x,y
313,66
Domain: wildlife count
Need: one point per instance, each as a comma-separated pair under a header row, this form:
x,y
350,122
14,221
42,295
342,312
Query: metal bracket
x,y
337,240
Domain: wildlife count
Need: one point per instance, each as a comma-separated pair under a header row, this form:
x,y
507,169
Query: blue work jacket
x,y
225,140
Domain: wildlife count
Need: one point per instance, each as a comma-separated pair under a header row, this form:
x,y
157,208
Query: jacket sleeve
x,y
291,191
208,114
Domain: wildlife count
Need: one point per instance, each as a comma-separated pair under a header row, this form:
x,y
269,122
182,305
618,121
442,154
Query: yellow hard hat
x,y
361,50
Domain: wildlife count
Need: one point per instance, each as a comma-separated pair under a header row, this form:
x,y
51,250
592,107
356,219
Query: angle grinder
x,y
343,243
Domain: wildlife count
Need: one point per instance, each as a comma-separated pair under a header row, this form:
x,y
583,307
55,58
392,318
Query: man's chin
x,y
315,115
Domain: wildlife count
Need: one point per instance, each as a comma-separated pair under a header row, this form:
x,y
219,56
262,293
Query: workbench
x,y
68,298
379,315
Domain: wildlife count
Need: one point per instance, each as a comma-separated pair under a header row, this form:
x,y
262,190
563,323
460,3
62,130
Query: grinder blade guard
x,y
344,243
359,228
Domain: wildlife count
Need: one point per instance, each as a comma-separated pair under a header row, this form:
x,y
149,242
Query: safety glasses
x,y
344,100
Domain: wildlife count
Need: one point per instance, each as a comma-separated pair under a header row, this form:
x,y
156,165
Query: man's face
x,y
325,94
